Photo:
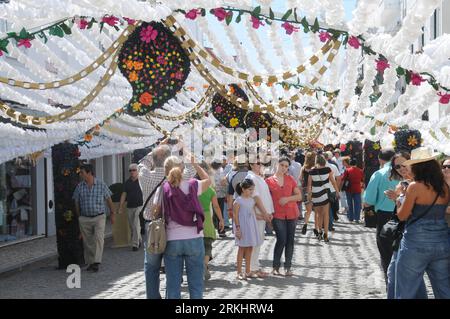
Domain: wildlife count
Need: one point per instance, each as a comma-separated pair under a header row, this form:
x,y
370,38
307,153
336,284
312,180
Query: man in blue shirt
x,y
90,197
383,206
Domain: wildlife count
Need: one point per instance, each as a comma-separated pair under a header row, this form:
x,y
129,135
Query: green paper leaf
x,y
373,131
65,28
12,34
257,11
116,27
268,22
408,77
238,19
91,23
24,34
271,14
43,36
57,31
101,26
286,15
203,12
305,24
229,18
295,15
315,28
400,71
182,11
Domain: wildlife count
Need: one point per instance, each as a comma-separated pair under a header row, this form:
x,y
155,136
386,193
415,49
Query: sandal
x,y
241,276
251,274
276,272
261,274
288,273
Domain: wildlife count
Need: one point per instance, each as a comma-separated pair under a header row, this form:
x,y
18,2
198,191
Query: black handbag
x,y
392,231
370,217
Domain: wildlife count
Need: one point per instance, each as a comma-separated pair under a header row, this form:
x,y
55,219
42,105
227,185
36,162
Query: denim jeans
x,y
285,231
424,247
384,245
152,266
189,252
354,206
421,292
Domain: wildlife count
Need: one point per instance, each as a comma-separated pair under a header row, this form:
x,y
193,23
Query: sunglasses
x,y
132,170
446,167
399,166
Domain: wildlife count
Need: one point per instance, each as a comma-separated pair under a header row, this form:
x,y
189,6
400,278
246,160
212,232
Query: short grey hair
x,y
160,154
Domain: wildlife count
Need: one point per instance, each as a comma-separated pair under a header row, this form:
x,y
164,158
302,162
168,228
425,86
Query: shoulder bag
x,y
392,231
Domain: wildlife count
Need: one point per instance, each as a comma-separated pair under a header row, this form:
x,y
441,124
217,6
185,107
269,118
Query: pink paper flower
x,y
289,28
324,36
445,98
82,24
161,60
25,42
1,52
129,20
382,65
179,75
148,34
416,79
221,13
111,20
354,42
256,22
218,109
192,14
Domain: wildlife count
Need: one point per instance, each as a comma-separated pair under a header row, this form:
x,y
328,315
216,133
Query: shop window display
x,y
16,200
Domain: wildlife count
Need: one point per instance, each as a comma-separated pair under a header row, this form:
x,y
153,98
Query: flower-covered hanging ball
x,y
156,66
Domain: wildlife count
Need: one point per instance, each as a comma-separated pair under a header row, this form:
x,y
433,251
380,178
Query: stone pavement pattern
x,y
346,267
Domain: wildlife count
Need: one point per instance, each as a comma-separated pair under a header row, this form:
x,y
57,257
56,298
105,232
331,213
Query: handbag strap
x,y
150,196
424,213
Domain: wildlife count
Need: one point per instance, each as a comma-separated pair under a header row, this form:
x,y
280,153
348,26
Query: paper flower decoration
x,y
193,13
416,79
25,42
376,146
382,65
412,141
324,36
234,122
156,66
256,23
444,98
221,14
354,42
289,28
407,140
82,24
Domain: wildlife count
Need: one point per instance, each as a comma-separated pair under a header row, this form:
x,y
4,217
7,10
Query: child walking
x,y
245,226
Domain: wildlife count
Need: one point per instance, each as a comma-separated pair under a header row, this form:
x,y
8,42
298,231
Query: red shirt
x,y
355,175
289,210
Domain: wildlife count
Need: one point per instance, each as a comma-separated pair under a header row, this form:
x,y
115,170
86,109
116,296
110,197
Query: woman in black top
x,y
310,160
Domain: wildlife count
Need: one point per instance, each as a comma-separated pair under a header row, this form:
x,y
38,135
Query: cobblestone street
x,y
347,267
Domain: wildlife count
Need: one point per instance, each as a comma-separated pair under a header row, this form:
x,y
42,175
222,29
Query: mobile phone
x,y
172,141
404,184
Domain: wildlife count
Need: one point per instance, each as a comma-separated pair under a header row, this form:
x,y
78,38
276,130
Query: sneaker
x,y
304,228
356,221
95,267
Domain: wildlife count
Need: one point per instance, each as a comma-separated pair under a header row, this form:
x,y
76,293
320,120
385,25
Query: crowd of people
x,y
249,199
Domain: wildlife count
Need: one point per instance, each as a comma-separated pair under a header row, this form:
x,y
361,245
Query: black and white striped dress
x,y
320,185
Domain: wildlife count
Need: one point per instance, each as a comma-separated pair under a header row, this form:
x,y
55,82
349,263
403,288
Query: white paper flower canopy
x,y
263,43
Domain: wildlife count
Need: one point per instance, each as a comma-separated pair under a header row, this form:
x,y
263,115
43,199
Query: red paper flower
x,y
146,98
416,79
1,52
289,28
192,14
148,34
129,21
218,109
382,65
256,22
445,98
221,13
179,75
354,42
111,20
25,42
82,24
324,36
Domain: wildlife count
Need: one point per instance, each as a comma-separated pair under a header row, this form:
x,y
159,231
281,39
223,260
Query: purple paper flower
x,y
289,28
256,23
111,20
25,42
324,36
192,14
354,42
82,24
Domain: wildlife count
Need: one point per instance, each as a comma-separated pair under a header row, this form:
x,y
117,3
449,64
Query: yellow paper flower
x,y
234,122
376,146
88,137
412,141
136,106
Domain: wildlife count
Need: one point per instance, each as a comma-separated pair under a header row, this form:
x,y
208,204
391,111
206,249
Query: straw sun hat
x,y
420,155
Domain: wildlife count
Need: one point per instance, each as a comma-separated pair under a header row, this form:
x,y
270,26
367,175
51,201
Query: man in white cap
x,y
132,194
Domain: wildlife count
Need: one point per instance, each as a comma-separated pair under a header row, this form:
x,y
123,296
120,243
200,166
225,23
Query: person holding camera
x,y
424,245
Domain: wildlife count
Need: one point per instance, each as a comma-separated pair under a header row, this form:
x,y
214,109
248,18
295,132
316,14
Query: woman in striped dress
x,y
318,188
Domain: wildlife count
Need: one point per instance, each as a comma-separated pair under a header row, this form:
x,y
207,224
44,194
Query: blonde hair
x,y
310,160
173,167
320,160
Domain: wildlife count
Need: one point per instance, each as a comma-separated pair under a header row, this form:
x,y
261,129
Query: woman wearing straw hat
x,y
424,246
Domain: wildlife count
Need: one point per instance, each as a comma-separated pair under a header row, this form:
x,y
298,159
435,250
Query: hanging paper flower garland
x,y
228,114
407,140
371,151
156,66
